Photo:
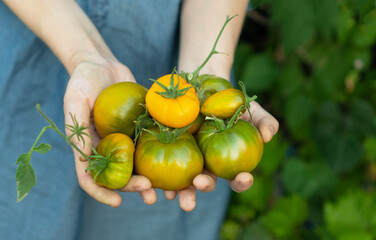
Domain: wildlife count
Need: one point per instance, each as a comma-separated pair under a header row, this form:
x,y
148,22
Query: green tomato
x,y
171,166
119,147
231,151
211,84
117,107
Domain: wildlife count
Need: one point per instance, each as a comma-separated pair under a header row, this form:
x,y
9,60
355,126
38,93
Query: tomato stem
x,y
56,129
195,74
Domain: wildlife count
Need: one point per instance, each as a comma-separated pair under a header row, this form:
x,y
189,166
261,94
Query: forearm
x,y
201,22
64,27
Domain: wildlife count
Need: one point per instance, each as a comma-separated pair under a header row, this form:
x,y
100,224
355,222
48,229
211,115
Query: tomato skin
x,y
223,104
234,150
117,107
171,166
196,124
211,84
119,169
175,113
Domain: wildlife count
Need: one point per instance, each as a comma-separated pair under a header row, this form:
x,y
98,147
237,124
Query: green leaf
x,y
336,141
274,152
256,231
310,180
25,157
369,147
365,34
296,18
42,148
326,16
291,79
363,118
285,216
345,24
25,177
259,73
230,230
298,112
257,196
352,215
360,8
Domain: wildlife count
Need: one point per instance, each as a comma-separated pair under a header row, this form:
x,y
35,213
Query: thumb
x,y
77,115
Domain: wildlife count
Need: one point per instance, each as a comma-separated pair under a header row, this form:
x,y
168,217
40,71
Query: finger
x,y
170,195
137,183
79,109
242,182
187,198
264,121
101,194
149,196
205,182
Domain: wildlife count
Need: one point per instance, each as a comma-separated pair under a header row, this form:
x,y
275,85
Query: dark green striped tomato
x,y
211,84
171,166
120,148
117,107
231,151
223,104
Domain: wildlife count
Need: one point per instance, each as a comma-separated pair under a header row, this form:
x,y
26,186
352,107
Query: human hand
x,y
206,182
88,80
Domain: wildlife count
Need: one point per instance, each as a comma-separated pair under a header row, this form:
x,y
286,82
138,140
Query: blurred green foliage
x,y
312,64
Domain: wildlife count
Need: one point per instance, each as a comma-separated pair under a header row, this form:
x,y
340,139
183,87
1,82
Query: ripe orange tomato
x,y
174,111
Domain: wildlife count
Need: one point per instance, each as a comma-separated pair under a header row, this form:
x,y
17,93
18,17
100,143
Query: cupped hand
x,y
206,182
87,81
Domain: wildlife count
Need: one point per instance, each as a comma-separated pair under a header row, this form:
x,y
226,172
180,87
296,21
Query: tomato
x,y
175,110
196,124
223,104
117,107
171,166
211,84
118,148
231,151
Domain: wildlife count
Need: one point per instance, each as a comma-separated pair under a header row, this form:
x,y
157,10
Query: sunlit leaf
x,y
42,148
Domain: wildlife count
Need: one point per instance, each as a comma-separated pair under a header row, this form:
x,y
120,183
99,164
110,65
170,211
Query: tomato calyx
x,y
172,91
166,135
142,122
248,100
98,162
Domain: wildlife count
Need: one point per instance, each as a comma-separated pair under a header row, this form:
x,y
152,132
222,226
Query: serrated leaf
x,y
286,215
296,18
352,215
259,73
42,148
26,180
326,16
311,180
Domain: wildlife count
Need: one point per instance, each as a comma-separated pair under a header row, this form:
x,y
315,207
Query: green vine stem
x,y
68,139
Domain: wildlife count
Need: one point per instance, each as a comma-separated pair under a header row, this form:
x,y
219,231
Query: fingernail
x,y
271,129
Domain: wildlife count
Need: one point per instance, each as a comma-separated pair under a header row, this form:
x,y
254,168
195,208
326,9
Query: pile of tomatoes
x,y
172,131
